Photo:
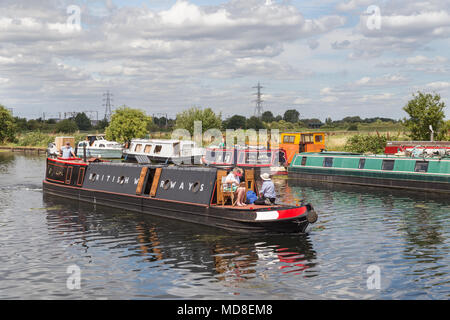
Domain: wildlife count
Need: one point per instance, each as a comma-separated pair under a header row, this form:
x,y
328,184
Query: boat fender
x,y
312,216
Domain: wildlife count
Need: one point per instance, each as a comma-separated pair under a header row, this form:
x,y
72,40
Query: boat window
x,y
362,163
210,155
219,157
421,166
93,177
304,161
318,138
241,157
307,138
328,162
101,146
264,157
196,187
288,139
228,157
158,148
388,165
138,148
147,149
166,185
251,157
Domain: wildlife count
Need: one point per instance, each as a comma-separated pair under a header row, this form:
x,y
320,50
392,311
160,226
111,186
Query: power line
x,y
108,103
259,101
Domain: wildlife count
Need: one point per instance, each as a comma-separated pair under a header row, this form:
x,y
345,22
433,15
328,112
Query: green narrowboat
x,y
423,174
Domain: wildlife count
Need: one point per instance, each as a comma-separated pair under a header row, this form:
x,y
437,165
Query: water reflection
x,y
6,158
216,255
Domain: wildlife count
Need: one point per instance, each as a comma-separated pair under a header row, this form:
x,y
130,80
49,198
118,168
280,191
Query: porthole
x,y
196,187
122,180
93,177
166,185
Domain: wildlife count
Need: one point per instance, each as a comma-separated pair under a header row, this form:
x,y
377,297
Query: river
x,y
367,244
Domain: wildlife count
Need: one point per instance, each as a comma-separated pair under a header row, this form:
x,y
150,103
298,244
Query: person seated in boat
x,y
67,151
267,194
234,182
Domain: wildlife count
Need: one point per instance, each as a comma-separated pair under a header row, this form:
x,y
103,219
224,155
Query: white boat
x,y
166,151
98,147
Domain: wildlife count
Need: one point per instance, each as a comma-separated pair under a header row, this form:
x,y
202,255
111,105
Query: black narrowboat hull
x,y
214,216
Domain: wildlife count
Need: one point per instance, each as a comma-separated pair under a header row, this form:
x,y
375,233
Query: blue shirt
x,y
67,152
268,189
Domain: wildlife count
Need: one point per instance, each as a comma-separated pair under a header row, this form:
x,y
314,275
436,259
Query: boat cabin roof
x,y
161,141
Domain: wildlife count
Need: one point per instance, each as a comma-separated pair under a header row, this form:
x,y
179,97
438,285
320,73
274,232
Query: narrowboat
x,y
164,151
189,193
261,159
429,147
412,173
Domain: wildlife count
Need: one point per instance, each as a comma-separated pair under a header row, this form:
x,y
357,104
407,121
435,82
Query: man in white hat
x,y
267,193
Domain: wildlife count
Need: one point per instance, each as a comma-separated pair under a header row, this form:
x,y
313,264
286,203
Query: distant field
x,y
335,141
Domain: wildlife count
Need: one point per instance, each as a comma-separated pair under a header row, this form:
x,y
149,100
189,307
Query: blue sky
x,y
323,58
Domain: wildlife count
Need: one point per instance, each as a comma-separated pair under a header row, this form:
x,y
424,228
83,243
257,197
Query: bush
x,y
366,143
35,139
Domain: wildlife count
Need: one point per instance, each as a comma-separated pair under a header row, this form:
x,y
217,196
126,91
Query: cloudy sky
x,y
325,58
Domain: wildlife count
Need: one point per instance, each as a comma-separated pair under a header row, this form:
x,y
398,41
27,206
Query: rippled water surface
x,y
124,255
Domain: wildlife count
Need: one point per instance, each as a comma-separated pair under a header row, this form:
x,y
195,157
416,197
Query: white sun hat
x,y
265,176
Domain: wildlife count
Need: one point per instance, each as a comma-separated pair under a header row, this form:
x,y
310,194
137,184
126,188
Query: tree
x,y
236,122
267,116
8,127
127,124
186,119
66,126
291,116
83,122
424,110
255,123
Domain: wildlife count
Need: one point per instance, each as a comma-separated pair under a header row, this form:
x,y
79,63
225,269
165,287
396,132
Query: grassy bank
x,y
334,141
40,139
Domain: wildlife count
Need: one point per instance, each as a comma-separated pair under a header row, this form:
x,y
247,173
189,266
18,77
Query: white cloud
x,y
439,85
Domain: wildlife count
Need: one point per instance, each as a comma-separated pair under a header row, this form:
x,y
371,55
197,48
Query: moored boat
x,y
427,147
192,194
413,173
98,147
164,151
